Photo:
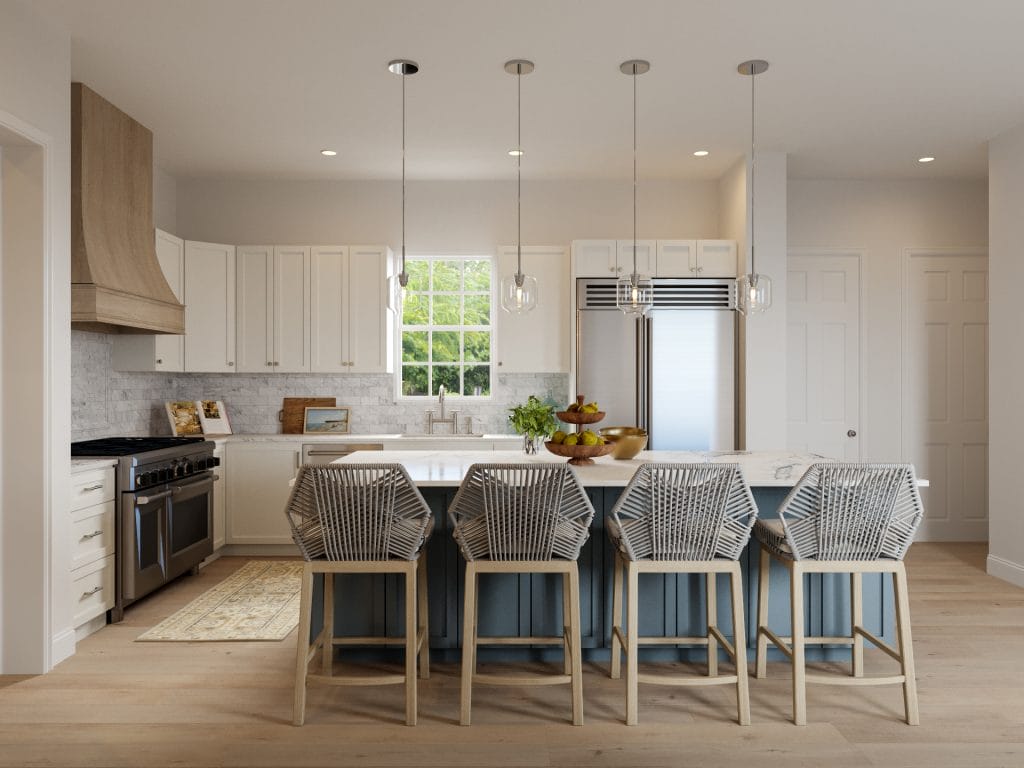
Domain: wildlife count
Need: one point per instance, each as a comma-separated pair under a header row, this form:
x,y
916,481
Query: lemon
x,y
589,438
571,439
558,437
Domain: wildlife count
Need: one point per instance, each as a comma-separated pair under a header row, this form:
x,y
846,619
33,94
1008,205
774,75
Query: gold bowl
x,y
627,442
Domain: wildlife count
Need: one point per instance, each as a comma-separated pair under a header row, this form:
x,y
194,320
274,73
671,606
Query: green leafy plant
x,y
534,418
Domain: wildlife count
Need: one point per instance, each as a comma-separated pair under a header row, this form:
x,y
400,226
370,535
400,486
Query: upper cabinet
x,y
157,352
350,323
273,289
538,341
654,258
209,307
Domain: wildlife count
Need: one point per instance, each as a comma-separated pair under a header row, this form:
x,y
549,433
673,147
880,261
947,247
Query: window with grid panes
x,y
446,326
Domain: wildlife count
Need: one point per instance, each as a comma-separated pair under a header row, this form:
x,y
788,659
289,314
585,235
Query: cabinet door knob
x,y
269,363
231,362
159,361
851,433
276,363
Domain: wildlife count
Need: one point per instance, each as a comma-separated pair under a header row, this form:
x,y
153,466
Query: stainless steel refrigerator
x,y
673,372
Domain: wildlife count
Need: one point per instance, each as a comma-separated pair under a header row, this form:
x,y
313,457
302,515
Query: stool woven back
x,y
852,511
357,512
521,512
685,512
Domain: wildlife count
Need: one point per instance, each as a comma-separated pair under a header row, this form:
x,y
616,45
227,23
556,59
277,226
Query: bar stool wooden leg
x,y
576,645
327,652
906,645
616,667
424,615
468,645
796,588
632,641
566,623
712,620
302,645
764,569
857,620
740,645
411,621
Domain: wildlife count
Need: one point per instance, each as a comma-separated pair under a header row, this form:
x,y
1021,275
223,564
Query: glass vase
x,y
531,445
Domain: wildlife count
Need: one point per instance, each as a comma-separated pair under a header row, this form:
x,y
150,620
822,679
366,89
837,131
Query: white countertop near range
x,y
777,469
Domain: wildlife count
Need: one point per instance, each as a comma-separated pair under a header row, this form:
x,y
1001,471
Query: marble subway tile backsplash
x,y
105,402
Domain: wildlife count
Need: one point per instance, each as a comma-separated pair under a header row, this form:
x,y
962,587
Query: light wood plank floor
x,y
121,703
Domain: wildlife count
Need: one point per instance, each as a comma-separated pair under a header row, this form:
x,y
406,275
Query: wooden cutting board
x,y
293,412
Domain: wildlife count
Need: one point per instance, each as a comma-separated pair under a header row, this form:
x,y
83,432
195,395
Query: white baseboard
x,y
62,646
1007,570
259,550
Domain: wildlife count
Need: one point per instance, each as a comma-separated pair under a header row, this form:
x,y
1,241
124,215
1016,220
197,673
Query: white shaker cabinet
x,y
350,322
273,308
160,351
646,257
677,258
717,258
613,258
209,307
93,547
257,491
538,341
220,498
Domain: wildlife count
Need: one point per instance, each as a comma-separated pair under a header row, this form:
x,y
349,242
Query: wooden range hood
x,y
116,282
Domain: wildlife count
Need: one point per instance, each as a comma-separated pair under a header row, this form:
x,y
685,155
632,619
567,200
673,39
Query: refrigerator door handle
x,y
643,374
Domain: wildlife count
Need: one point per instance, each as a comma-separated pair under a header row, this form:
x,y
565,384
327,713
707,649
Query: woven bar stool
x,y
366,518
522,518
842,518
681,518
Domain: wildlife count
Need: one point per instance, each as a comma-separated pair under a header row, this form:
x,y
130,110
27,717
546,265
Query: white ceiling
x,y
255,88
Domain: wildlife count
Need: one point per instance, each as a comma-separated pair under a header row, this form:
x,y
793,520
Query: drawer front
x,y
92,590
92,534
92,487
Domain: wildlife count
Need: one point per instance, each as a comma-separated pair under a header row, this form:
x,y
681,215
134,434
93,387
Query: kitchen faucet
x,y
432,420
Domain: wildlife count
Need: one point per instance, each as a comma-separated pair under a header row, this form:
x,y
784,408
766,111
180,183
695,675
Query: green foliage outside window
x,y
446,327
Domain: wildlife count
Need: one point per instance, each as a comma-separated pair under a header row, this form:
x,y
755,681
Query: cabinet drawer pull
x,y
92,535
92,488
92,591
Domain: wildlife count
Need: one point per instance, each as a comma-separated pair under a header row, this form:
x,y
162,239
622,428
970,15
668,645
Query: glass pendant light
x,y
519,291
755,290
634,294
402,67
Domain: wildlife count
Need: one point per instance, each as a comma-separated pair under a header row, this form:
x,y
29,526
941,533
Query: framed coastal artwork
x,y
213,417
184,418
326,421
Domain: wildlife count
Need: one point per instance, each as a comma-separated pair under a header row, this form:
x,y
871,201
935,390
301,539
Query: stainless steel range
x,y
164,517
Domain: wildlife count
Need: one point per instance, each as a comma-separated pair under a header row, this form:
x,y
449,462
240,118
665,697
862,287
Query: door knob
x,y
851,433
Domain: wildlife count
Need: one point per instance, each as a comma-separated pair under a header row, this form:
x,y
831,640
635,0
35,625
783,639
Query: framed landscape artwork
x,y
326,421
213,417
184,418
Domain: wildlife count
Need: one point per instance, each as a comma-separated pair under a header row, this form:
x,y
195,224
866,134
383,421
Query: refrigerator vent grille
x,y
668,294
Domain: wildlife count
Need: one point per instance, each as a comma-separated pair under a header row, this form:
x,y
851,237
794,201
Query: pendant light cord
x,y
635,277
519,174
403,174
753,77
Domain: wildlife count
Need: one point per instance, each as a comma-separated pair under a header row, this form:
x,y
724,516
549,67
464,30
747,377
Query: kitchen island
x,y
670,605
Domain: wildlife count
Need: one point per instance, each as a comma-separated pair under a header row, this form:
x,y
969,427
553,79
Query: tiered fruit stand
x,y
579,454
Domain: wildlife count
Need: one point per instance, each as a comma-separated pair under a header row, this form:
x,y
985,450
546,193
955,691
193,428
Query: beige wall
x,y
456,216
1006,355
881,219
35,73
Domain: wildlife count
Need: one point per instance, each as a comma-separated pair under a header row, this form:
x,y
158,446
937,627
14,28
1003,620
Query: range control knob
x,y
142,479
186,468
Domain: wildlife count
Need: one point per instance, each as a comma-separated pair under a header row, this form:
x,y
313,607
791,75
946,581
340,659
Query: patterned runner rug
x,y
260,601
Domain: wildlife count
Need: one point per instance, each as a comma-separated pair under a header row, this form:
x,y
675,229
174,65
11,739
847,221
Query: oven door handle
x,y
144,500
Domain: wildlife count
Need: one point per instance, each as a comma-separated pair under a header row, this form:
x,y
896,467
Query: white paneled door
x,y
945,389
823,354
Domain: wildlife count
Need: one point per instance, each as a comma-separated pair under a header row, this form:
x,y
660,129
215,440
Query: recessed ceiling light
x,y
516,152
925,159
701,153
328,152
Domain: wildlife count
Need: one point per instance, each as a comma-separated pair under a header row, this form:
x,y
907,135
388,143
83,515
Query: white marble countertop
x,y
775,469
355,438
84,465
